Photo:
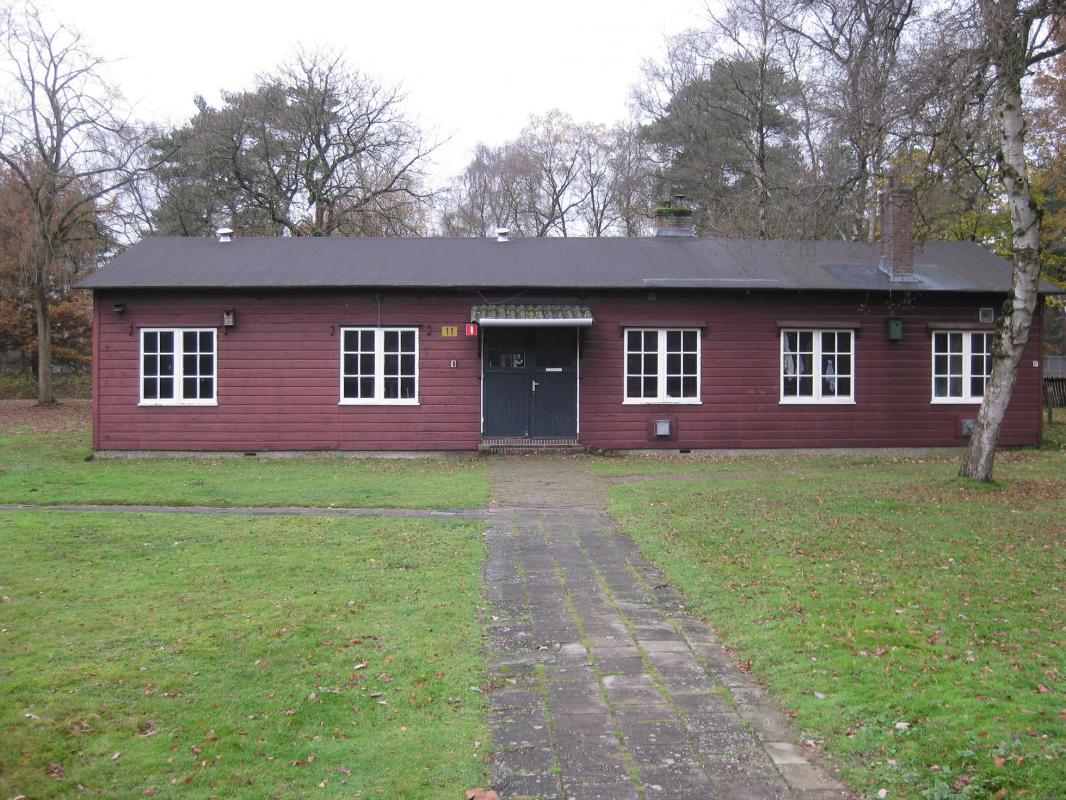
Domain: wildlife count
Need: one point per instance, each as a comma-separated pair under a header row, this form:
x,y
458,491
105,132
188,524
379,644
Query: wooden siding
x,y
740,385
278,374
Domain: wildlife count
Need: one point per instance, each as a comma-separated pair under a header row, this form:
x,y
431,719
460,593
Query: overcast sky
x,y
473,70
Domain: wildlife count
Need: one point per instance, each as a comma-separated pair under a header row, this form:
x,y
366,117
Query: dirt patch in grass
x,y
67,416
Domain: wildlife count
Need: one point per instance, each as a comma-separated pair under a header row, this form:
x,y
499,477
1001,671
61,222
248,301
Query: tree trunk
x,y
45,392
859,216
1025,281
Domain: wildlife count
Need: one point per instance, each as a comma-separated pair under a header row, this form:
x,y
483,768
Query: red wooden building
x,y
668,342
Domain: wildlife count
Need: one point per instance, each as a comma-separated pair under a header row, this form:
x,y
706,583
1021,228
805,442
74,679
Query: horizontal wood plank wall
x,y
740,385
278,374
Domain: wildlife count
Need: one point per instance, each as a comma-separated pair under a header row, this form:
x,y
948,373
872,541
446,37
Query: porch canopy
x,y
531,316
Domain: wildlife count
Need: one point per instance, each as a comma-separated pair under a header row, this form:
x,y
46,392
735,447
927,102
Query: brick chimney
x,y
897,234
674,218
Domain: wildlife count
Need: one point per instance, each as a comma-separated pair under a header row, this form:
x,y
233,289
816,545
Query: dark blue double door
x,y
529,383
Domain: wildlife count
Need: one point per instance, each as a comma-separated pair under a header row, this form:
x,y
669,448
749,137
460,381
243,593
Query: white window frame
x,y
179,364
967,372
817,398
379,398
661,398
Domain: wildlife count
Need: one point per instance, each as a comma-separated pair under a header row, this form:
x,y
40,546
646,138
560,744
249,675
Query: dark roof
x,y
553,263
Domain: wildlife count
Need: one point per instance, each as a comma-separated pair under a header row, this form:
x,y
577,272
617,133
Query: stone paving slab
x,y
609,689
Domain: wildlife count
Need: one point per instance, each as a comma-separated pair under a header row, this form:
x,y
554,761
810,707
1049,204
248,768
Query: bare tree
x,y
595,180
549,149
616,180
315,149
633,179
1016,35
557,178
858,72
68,141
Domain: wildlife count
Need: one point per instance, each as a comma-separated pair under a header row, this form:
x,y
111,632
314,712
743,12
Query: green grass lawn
x,y
913,622
155,655
51,467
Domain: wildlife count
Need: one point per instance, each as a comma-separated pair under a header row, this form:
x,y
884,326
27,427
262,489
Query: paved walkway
x,y
606,689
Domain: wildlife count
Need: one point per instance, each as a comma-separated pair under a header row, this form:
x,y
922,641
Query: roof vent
x,y
502,234
225,235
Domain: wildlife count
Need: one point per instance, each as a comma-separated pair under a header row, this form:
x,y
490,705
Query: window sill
x,y
669,401
956,401
378,403
177,403
814,401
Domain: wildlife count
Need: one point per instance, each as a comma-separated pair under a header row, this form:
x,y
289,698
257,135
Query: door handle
x,y
535,385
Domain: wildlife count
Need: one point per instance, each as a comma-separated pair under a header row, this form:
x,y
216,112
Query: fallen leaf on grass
x,y
1042,689
303,762
56,772
150,791
344,771
481,794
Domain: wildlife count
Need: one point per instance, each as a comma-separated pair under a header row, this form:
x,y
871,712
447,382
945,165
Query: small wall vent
x,y
986,315
662,427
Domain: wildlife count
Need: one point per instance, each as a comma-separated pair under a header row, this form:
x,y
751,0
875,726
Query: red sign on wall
x,y
471,329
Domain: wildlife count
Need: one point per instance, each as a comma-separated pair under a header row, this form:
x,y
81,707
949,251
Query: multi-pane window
x,y
379,365
962,364
662,366
177,366
817,366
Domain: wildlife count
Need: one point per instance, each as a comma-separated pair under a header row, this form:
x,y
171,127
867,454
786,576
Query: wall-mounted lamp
x,y
229,318
120,308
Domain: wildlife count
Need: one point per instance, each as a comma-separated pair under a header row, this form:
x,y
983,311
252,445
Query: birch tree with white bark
x,y
1014,36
